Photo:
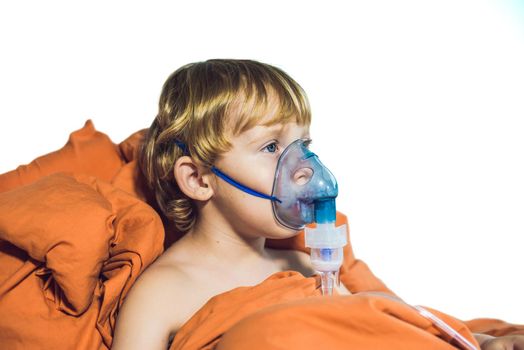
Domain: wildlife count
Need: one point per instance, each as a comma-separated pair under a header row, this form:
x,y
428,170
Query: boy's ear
x,y
192,180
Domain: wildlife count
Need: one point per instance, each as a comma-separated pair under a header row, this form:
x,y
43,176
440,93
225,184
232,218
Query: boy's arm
x,y
144,321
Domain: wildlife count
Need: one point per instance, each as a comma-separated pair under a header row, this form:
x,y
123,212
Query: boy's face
x,y
252,161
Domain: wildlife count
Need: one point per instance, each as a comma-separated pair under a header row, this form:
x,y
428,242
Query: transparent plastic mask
x,y
300,180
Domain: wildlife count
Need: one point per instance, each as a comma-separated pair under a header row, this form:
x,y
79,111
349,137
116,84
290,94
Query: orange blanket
x,y
72,245
287,312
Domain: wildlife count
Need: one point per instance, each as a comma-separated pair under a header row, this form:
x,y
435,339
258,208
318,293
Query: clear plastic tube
x,y
456,337
329,280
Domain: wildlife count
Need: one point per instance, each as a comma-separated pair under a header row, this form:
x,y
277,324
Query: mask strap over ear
x,y
228,179
244,188
182,146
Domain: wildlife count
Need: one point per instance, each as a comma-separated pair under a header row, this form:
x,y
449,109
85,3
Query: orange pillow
x,y
65,224
72,225
86,152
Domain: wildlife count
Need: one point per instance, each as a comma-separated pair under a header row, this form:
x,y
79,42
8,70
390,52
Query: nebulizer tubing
x,y
455,337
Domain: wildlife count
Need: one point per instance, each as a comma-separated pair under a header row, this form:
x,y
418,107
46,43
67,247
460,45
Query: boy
x,y
237,116
232,115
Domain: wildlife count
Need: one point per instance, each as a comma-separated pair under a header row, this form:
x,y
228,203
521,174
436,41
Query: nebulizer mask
x,y
304,192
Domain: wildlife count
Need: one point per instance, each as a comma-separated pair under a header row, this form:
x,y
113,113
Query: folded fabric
x,y
72,246
86,152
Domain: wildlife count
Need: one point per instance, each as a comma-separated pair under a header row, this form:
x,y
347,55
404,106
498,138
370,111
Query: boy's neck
x,y
220,243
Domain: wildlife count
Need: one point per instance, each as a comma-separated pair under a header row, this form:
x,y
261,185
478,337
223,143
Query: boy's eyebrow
x,y
265,134
269,133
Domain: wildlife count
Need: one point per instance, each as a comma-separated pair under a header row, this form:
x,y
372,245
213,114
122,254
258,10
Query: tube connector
x,y
326,236
327,254
329,280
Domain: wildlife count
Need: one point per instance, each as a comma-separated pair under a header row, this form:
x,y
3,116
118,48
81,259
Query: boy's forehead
x,y
251,117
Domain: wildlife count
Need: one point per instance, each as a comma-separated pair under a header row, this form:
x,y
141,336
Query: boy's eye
x,y
271,148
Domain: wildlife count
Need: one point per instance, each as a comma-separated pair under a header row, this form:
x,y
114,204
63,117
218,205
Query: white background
x,y
418,110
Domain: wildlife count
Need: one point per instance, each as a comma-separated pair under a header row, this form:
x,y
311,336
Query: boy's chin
x,y
282,233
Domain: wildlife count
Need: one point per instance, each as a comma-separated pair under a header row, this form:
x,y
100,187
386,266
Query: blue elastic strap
x,y
182,146
230,180
242,187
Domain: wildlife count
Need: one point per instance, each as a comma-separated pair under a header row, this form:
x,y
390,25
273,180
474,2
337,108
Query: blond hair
x,y
195,106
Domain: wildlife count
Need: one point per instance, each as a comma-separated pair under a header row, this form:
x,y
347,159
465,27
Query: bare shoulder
x,y
153,309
